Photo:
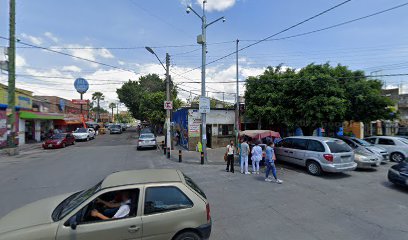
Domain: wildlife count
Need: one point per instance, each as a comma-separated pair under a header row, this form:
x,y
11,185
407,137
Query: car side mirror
x,y
73,222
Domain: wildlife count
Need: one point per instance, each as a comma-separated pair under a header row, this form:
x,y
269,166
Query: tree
x,y
112,106
314,96
98,96
144,98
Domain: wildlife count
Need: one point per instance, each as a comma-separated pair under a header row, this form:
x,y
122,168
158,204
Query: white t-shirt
x,y
123,210
230,150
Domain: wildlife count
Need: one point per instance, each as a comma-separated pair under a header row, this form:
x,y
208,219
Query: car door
x,y
387,144
298,155
113,229
165,209
281,149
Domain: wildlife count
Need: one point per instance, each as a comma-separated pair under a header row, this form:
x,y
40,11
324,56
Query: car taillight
x,y
208,212
328,157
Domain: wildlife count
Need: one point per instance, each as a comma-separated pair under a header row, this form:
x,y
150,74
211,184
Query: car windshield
x,y
147,136
338,146
403,140
194,186
73,201
81,130
57,136
362,142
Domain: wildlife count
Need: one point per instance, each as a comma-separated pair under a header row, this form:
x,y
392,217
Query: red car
x,y
59,140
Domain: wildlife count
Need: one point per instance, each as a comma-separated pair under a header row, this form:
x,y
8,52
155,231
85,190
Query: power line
x,y
303,34
70,55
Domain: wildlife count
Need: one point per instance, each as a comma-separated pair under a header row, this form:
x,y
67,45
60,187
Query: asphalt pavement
x,y
354,205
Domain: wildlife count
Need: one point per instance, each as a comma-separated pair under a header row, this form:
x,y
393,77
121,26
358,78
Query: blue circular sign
x,y
81,85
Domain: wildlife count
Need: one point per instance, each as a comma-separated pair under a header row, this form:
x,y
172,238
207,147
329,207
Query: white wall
x,y
21,132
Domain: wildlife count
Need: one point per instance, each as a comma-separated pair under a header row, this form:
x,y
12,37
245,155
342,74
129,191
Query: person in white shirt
x,y
123,208
230,156
256,157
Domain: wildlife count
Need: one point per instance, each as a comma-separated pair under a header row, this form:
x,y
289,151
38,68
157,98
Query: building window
x,y
225,129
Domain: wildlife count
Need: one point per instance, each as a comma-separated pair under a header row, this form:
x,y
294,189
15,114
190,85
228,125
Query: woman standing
x,y
230,156
256,157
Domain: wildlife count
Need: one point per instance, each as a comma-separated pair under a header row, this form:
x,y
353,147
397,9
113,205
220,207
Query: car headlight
x,y
59,142
394,171
361,158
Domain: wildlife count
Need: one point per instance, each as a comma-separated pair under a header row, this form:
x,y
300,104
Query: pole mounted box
x,y
200,39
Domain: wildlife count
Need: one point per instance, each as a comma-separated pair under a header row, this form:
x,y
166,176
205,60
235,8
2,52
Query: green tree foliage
x,y
313,96
98,96
124,118
144,98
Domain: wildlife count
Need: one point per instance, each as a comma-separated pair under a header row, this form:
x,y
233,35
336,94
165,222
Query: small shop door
x,y
209,135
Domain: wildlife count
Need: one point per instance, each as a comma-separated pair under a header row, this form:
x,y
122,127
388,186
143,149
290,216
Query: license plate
x,y
49,145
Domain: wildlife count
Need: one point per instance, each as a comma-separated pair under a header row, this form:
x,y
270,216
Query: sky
x,y
115,33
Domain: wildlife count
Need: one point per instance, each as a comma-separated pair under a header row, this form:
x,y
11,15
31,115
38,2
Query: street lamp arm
x,y
191,9
149,49
216,20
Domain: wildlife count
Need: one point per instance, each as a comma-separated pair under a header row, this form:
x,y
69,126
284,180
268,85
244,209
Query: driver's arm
x,y
99,215
109,204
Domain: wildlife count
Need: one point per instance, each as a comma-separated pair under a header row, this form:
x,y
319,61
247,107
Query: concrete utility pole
x,y
12,76
202,39
237,127
168,134
168,111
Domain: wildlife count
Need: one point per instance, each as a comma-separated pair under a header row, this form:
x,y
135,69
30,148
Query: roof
x,y
315,138
141,176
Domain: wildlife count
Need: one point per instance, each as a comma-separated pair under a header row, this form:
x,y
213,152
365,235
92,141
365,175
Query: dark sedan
x,y
398,174
59,140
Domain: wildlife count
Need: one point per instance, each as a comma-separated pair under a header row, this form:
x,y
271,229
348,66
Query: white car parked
x,y
397,147
84,134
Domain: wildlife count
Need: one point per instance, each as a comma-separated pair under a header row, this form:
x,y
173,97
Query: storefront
x,y
219,129
33,126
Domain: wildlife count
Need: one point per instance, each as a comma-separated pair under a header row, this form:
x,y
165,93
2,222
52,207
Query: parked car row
x,y
320,154
62,140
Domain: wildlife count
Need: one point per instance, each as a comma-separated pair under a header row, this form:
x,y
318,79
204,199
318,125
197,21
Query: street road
x,y
356,205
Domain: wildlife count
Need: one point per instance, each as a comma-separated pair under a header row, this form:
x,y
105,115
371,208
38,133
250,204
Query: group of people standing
x,y
243,151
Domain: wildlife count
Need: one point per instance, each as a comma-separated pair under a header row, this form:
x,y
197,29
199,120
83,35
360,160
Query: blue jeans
x,y
270,167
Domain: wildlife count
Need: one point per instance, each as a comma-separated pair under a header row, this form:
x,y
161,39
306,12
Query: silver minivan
x,y
317,154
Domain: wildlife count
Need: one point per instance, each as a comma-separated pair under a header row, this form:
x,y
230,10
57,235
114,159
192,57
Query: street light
x,y
167,69
201,39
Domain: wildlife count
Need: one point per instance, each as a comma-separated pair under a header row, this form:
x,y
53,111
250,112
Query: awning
x,y
259,134
40,115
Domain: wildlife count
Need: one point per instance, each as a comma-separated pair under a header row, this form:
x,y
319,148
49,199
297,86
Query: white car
x,y
84,134
397,147
146,140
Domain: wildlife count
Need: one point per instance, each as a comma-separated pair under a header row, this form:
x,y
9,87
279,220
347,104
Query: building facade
x,y
219,130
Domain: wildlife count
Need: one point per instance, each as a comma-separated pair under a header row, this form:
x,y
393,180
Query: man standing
x,y
270,163
230,156
244,156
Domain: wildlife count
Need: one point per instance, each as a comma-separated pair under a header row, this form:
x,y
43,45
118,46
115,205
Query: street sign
x,y
205,104
80,101
81,85
168,105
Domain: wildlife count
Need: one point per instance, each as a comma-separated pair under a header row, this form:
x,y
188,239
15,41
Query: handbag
x,y
225,157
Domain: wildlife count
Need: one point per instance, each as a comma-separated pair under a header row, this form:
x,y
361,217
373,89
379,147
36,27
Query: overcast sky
x,y
377,43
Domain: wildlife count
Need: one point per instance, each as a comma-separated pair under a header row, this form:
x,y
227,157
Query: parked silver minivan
x,y
317,154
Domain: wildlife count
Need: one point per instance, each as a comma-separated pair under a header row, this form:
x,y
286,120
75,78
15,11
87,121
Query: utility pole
x,y
237,127
223,101
168,134
12,76
202,39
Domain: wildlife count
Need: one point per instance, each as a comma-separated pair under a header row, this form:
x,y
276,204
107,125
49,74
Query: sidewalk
x,y
24,149
215,156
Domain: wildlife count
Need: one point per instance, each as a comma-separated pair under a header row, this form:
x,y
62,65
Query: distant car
x,y
161,204
398,174
84,134
147,140
115,129
356,143
59,140
397,147
317,154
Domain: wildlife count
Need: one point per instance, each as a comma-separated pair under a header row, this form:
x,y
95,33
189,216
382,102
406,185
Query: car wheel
x,y
87,138
73,142
63,145
187,236
313,168
397,157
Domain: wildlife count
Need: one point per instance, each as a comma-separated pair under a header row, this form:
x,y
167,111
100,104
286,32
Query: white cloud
x,y
121,63
71,68
105,53
51,37
88,52
20,61
32,39
217,5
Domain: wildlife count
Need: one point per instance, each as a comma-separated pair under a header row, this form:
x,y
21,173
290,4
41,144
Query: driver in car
x,y
123,207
